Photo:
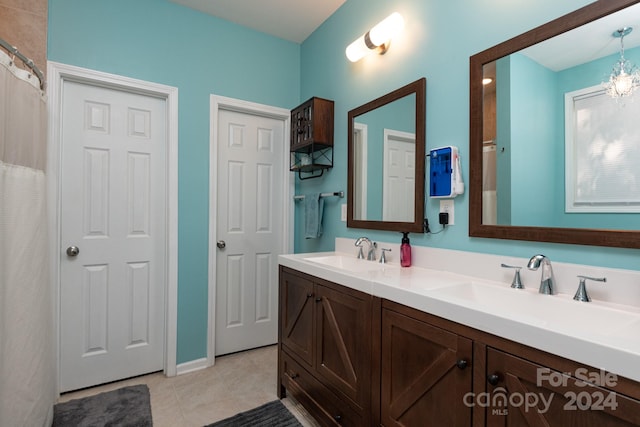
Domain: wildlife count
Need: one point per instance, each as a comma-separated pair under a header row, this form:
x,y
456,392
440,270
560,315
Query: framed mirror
x,y
386,150
526,167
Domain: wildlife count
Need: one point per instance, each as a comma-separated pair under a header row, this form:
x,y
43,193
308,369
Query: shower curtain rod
x,y
28,62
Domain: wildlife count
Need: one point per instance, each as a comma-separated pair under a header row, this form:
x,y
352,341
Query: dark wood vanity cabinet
x,y
426,372
356,360
325,348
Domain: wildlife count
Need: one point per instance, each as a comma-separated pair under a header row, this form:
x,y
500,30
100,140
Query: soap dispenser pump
x,y
405,251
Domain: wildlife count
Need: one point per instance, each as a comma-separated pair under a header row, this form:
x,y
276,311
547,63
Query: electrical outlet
x,y
343,215
447,206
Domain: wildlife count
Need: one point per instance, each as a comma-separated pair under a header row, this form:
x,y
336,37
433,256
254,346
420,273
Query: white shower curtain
x,y
27,345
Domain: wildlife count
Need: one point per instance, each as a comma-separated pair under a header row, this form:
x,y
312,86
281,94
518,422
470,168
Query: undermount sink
x,y
347,263
595,321
552,311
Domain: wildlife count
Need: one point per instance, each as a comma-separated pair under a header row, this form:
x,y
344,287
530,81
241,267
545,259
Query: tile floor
x,y
236,383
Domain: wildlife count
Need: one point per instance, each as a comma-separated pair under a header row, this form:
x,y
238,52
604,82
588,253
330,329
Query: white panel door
x,y
113,209
249,212
398,192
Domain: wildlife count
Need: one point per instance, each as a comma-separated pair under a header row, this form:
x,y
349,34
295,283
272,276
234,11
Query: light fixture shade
x,y
386,29
357,50
375,39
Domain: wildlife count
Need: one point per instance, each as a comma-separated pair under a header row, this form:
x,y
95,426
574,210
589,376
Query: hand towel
x,y
313,207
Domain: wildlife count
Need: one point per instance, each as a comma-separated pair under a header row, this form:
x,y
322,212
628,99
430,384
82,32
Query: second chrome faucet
x,y
547,280
371,253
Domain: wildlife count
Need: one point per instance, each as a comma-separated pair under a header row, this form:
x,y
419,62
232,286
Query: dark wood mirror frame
x,y
419,88
595,237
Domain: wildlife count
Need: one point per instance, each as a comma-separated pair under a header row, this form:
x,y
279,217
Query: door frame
x,y
57,75
218,103
361,153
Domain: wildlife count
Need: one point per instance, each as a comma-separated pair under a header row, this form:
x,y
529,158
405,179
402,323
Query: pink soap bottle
x,y
405,251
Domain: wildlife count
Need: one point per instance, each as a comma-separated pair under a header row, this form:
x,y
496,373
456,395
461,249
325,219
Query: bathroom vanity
x,y
356,349
366,344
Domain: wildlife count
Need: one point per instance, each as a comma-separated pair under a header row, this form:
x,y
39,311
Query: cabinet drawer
x,y
534,394
323,404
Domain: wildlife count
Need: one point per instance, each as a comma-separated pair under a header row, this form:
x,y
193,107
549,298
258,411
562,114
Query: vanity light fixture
x,y
625,76
376,39
487,80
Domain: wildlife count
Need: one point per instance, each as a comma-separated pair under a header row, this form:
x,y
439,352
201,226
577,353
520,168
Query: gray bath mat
x,y
125,407
272,414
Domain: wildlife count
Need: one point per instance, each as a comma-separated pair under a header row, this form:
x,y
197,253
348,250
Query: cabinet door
x,y
523,393
426,372
343,341
296,315
297,126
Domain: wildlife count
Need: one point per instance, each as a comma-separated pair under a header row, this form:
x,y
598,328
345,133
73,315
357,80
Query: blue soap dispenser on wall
x,y
445,177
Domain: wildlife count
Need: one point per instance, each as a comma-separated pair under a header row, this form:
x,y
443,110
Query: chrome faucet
x,y
371,253
547,280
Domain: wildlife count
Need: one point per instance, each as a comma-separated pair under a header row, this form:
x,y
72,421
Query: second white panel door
x,y
250,223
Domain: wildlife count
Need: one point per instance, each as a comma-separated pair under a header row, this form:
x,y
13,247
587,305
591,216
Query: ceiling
x,y
292,20
589,42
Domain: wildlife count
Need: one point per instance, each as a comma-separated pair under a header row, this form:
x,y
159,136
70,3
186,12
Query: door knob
x,y
73,251
221,244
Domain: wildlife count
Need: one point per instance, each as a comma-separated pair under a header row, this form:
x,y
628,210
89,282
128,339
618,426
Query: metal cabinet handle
x,y
493,379
462,364
221,244
73,251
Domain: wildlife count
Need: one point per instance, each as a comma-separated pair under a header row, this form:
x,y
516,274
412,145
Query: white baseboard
x,y
192,366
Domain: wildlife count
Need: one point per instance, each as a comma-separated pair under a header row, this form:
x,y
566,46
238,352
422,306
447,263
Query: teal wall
x,y
162,42
159,41
534,122
437,41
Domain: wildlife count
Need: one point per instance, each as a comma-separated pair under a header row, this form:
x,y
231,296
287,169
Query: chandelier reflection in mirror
x,y
625,76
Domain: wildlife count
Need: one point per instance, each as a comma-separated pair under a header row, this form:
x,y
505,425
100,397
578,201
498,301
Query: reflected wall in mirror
x,y
539,156
386,149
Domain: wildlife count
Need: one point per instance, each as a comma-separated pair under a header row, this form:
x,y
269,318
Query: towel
x,y
313,207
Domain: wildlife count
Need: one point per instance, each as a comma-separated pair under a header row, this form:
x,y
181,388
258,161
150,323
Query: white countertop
x,y
599,334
